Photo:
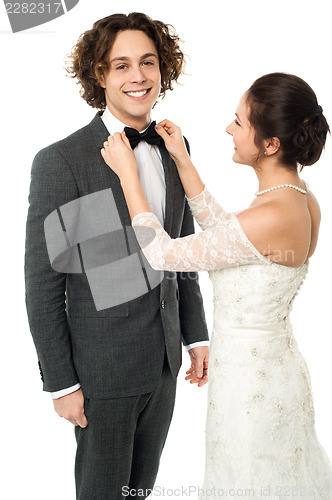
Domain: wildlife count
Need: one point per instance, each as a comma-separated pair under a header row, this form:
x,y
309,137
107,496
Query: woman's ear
x,y
271,146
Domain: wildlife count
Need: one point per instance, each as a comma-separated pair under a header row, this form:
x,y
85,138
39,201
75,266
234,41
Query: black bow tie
x,y
149,135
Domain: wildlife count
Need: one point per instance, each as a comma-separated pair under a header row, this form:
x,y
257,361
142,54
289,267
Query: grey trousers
x,y
119,451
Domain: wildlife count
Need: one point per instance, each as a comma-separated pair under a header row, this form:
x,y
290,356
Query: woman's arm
x,y
172,136
227,239
119,156
221,245
226,245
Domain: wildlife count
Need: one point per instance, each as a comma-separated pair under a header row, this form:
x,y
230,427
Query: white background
x,y
230,44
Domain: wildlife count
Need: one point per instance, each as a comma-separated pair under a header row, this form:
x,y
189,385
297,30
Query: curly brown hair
x,y
88,60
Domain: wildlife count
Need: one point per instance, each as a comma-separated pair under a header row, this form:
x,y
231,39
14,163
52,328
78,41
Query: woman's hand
x,y
119,156
173,140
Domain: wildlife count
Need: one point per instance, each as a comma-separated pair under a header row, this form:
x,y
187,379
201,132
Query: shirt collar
x,y
114,125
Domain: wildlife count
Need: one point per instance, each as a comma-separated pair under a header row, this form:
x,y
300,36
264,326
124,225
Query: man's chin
x,y
139,112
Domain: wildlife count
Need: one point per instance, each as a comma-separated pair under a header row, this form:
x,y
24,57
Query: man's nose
x,y
137,75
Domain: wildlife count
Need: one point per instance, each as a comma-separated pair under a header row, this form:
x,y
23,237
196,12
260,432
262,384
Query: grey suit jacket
x,y
117,351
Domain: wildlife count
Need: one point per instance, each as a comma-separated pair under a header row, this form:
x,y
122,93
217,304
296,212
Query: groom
x,y
112,371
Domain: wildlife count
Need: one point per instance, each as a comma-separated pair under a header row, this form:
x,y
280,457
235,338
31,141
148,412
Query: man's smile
x,y
137,93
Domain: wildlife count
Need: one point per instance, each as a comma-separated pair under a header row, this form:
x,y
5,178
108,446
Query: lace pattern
x,y
206,210
215,248
221,244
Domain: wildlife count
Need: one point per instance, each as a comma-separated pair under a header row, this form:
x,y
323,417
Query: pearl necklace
x,y
303,191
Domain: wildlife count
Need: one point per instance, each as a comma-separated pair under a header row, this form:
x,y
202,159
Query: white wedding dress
x,y
260,433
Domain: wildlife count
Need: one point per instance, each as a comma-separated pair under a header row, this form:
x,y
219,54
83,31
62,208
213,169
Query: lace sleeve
x,y
206,209
224,245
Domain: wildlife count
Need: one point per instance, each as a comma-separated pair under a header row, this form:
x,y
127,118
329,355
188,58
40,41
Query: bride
x,y
261,438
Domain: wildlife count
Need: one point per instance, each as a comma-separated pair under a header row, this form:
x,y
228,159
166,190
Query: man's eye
x,y
148,63
122,66
237,123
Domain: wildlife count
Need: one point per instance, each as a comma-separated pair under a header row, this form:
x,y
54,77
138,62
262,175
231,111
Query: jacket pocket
x,y
87,309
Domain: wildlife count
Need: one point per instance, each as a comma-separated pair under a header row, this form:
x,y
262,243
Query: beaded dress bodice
x,y
256,293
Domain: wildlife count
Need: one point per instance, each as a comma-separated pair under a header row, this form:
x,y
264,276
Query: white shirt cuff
x,y
65,392
203,343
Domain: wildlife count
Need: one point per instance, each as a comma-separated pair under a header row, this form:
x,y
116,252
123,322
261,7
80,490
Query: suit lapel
x,y
169,181
100,135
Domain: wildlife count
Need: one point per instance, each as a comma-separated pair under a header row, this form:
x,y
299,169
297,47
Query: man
x,y
112,371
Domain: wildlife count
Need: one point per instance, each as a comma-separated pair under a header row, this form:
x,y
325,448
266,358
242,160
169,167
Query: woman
x,y
261,438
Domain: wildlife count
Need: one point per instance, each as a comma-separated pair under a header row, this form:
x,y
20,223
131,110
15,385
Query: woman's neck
x,y
274,175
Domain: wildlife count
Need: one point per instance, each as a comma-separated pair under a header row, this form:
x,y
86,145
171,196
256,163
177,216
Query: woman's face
x,y
245,149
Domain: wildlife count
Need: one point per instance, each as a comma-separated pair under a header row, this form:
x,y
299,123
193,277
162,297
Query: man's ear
x,y
102,81
271,146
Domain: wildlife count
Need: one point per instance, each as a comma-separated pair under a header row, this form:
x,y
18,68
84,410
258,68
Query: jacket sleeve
x,y
52,185
191,310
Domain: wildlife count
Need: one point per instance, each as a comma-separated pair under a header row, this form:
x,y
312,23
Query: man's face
x,y
133,82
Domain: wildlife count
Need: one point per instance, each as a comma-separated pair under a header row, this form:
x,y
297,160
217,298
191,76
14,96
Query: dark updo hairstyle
x,y
286,107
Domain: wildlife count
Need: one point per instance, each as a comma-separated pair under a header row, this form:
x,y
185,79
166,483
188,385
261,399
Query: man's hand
x,y
197,373
71,407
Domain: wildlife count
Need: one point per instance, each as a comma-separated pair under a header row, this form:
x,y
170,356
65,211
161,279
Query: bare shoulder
x,y
314,208
263,216
315,215
280,228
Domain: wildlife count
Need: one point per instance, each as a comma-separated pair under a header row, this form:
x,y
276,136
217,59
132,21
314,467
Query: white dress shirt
x,y
152,178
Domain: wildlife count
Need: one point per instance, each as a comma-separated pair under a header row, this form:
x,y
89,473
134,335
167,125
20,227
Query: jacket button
x,y
162,304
